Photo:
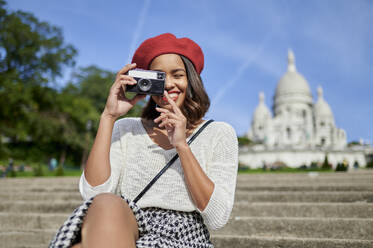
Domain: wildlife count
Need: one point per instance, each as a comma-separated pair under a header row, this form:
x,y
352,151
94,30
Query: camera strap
x,y
170,163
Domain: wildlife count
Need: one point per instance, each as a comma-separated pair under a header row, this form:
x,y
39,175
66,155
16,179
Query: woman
x,y
195,194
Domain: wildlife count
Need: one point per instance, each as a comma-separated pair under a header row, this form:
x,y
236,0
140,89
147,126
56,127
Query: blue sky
x,y
245,45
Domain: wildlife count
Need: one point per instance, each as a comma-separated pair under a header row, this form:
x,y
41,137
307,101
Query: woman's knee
x,y
110,208
107,201
108,205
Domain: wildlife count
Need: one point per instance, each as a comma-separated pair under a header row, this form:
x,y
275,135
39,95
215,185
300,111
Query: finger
x,y
137,98
120,86
127,78
168,122
120,83
160,118
162,110
173,104
125,82
166,115
126,68
170,115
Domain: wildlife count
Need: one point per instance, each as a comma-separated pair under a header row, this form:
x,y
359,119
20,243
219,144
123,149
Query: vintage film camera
x,y
148,82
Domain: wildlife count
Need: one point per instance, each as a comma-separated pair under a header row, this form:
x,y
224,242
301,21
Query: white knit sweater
x,y
135,159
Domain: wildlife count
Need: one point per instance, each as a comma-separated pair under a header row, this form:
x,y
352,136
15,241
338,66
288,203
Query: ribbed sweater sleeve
x,y
222,170
116,162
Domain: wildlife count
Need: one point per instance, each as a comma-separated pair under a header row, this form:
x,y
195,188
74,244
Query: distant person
x,y
194,195
10,167
52,164
21,167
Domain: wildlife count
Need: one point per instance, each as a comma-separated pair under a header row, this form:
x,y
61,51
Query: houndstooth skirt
x,y
157,228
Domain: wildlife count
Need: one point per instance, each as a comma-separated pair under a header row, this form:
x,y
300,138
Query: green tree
x,y
326,165
32,54
244,141
34,50
39,120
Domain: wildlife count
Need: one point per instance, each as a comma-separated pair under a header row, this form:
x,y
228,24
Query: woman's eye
x,y
179,75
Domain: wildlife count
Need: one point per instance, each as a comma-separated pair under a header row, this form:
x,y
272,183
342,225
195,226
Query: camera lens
x,y
144,84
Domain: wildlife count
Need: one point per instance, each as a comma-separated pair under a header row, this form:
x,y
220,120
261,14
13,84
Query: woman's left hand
x,y
174,121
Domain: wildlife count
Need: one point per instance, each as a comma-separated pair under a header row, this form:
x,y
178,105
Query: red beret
x,y
168,43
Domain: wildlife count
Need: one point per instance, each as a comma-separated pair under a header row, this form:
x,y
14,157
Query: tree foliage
x,y
33,53
36,119
244,141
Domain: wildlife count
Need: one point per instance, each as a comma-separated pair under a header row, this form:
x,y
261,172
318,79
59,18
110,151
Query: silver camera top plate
x,y
139,73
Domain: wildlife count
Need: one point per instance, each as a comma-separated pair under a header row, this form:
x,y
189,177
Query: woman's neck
x,y
150,124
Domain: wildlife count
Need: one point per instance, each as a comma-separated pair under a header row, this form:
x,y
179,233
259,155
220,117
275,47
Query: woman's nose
x,y
169,82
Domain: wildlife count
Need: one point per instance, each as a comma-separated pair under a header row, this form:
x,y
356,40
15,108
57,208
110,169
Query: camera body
x,y
148,82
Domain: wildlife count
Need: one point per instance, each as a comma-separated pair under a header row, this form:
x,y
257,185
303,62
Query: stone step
x,y
254,209
249,187
221,241
306,179
41,196
351,174
40,238
40,180
27,221
304,196
317,210
333,228
235,241
249,196
40,189
56,206
362,175
26,238
336,228
27,246
54,219
73,182
305,187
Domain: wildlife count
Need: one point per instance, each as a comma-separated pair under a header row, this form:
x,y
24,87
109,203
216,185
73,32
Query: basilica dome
x,y
292,87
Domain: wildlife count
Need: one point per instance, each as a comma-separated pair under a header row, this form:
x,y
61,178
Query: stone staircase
x,y
331,210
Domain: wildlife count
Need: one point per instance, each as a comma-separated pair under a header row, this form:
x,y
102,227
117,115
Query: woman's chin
x,y
165,104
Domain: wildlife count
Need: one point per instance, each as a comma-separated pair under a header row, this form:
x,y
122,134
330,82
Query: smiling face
x,y
176,79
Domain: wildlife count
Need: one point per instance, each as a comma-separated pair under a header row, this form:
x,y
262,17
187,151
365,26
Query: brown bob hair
x,y
196,102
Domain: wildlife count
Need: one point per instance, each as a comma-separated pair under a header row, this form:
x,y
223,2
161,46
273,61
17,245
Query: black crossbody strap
x,y
170,163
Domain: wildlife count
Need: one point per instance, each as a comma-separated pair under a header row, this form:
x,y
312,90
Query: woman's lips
x,y
173,96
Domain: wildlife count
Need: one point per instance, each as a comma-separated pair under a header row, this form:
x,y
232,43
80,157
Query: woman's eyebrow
x,y
176,70
173,71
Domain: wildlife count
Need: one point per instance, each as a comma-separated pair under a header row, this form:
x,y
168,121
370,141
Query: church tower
x,y
326,133
261,123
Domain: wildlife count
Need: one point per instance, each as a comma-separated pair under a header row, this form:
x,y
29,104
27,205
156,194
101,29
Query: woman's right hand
x,y
117,103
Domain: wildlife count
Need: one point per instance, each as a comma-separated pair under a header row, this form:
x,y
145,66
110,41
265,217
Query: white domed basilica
x,y
300,131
